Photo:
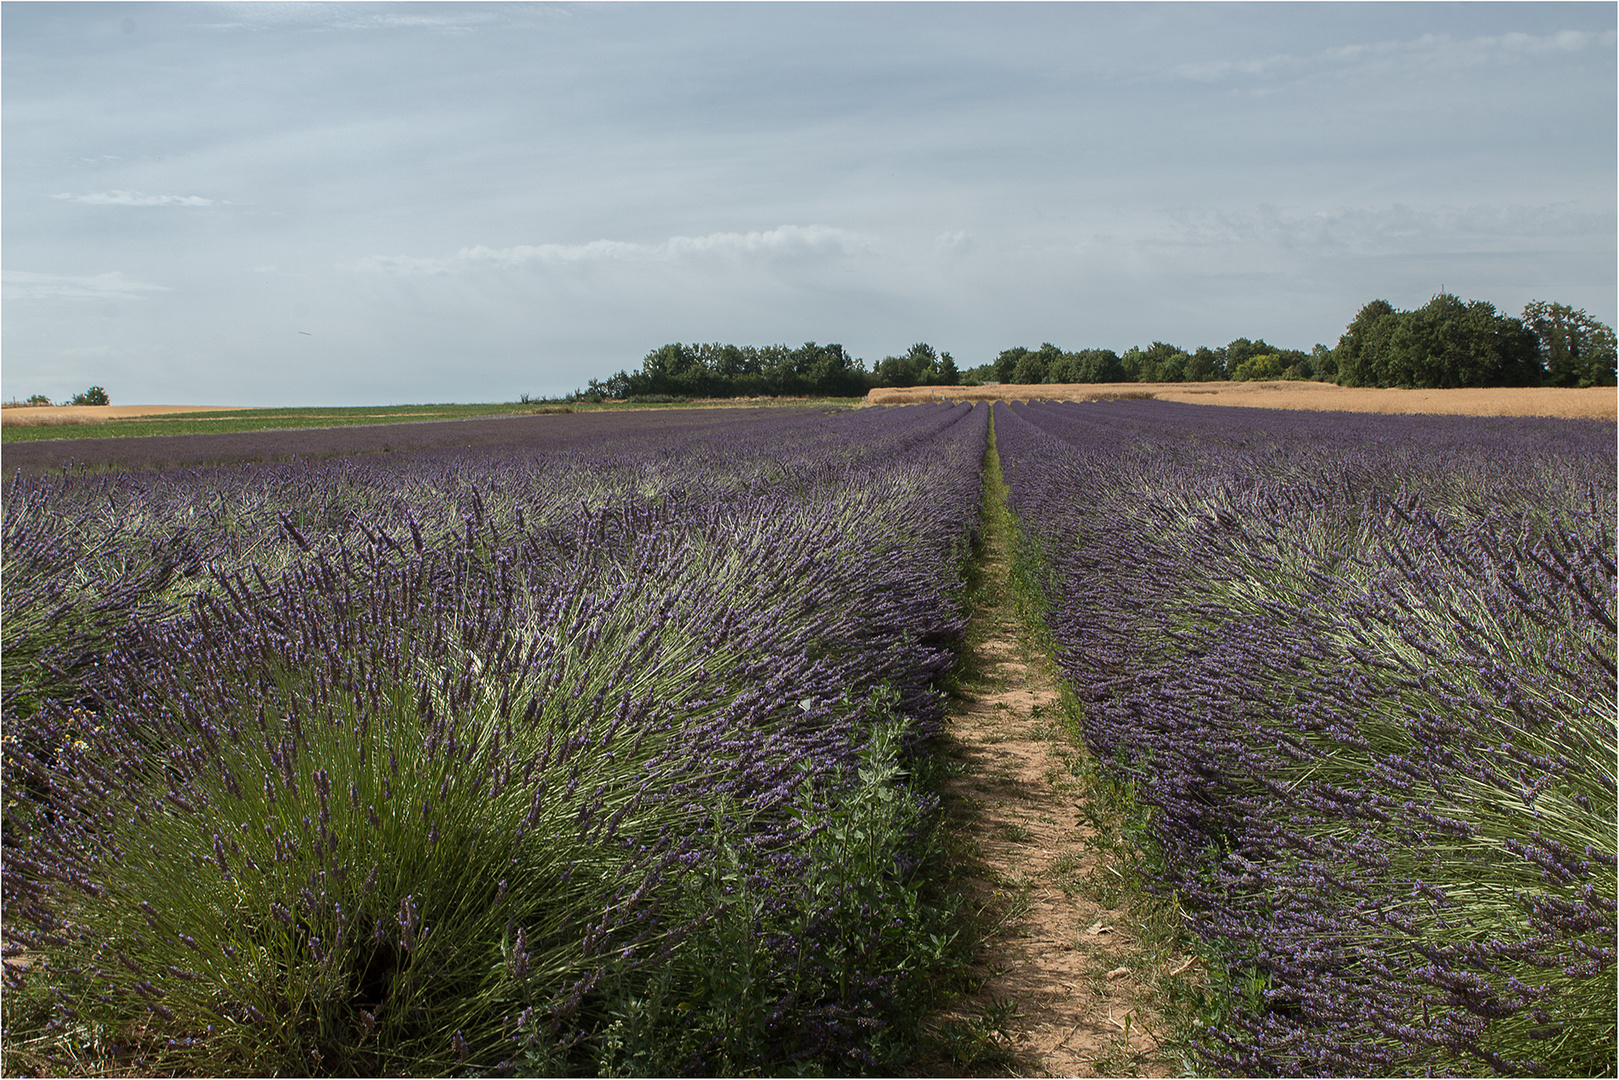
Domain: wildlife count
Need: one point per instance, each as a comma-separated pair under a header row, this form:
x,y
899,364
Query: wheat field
x,y
1596,402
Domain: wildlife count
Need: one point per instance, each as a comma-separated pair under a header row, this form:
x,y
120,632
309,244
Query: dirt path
x,y
1069,961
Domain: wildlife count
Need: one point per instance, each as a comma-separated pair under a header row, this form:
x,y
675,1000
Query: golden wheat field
x,y
52,415
1596,402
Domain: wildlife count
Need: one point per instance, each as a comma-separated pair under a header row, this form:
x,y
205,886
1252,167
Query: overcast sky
x,y
266,204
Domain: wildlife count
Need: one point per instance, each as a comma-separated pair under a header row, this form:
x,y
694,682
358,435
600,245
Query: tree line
x,y
1446,343
717,370
96,395
1450,343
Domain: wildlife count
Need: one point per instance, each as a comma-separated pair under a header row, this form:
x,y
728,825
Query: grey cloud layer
x,y
479,200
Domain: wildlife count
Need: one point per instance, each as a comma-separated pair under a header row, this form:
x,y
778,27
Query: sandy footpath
x,y
1595,402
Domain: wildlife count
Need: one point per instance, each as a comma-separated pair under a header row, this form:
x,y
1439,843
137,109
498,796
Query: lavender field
x,y
1358,675
589,760
611,749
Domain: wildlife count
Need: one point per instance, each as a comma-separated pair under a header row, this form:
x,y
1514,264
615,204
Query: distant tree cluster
x,y
1449,342
721,371
717,370
1242,359
96,395
1446,343
921,366
1575,349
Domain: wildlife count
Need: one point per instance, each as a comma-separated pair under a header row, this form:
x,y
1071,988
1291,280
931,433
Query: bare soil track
x,y
1058,949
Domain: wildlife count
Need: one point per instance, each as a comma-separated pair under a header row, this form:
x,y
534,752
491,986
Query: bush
x,y
93,396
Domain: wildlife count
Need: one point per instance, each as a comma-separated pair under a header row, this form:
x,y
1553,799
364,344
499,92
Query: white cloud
x,y
25,285
1428,50
89,352
1397,228
134,198
784,242
327,16
1215,70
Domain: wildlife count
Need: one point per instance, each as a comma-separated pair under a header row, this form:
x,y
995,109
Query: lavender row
x,y
461,759
1362,671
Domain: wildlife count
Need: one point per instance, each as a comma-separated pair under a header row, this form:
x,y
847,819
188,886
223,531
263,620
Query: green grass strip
x,y
220,421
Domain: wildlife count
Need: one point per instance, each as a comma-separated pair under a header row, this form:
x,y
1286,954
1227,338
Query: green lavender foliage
x,y
1360,673
460,765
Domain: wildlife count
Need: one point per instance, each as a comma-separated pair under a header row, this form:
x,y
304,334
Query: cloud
x,y
781,243
1216,70
134,198
89,352
1428,51
1471,51
341,16
1398,228
24,285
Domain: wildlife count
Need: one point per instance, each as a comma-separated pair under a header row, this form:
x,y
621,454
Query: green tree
x,y
920,366
1033,367
1449,343
1204,365
1323,364
93,396
1445,343
1085,366
1007,362
1158,362
978,376
1575,349
1097,366
829,370
1259,367
1363,342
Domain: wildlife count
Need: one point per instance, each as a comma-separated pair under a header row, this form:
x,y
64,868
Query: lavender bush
x,y
490,759
1361,669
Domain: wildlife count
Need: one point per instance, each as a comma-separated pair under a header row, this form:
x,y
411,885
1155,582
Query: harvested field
x,y
1593,403
53,415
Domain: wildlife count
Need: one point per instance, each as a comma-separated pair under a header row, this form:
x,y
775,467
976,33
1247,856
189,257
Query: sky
x,y
331,203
